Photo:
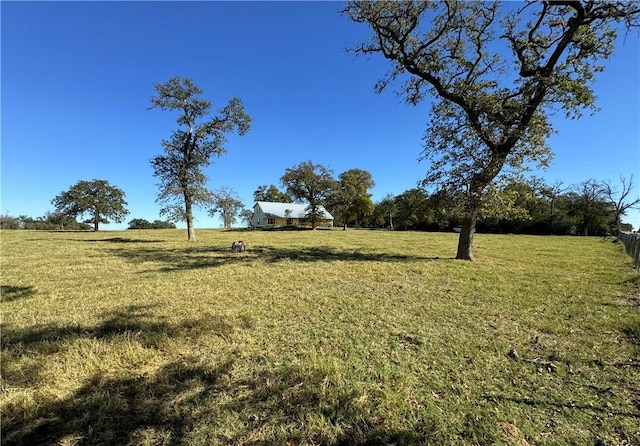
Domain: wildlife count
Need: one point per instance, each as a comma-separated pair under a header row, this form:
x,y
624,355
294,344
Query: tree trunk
x,y
96,221
191,232
465,242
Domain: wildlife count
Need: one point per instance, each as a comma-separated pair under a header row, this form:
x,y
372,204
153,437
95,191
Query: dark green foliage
x,y
412,208
384,212
522,206
271,194
141,223
351,202
98,199
312,183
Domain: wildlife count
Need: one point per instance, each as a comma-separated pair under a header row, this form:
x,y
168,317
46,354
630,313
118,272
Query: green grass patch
x,y
317,337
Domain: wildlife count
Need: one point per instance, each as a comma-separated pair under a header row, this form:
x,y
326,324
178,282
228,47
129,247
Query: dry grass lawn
x,y
317,338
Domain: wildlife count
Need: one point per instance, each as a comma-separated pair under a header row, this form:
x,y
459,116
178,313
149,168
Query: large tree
x,y
271,193
621,200
412,206
588,203
352,200
191,147
496,72
227,204
97,199
309,182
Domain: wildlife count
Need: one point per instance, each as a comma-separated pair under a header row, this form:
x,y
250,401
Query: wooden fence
x,y
631,243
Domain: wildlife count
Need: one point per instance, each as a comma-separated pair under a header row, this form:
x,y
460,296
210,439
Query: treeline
x,y
49,222
57,222
525,207
141,223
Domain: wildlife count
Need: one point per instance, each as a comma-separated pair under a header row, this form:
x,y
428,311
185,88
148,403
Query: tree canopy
x,y
309,182
226,203
351,200
271,193
191,147
497,71
98,199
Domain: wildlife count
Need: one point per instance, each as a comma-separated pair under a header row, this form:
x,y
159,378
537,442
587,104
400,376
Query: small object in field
x,y
238,246
513,354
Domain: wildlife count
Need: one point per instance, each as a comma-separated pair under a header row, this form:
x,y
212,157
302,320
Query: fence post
x,y
631,242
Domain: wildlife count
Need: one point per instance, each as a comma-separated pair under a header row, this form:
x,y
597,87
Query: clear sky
x,y
77,78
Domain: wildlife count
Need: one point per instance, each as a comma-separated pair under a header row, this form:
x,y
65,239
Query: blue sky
x,y
77,78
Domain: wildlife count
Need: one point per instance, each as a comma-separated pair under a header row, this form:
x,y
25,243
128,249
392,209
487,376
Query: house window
x,y
271,221
289,221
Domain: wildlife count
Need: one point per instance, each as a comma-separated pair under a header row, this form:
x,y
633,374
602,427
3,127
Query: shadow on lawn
x,y
226,401
197,404
210,257
9,293
120,240
132,322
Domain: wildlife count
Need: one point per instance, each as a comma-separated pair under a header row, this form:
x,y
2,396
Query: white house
x,y
269,215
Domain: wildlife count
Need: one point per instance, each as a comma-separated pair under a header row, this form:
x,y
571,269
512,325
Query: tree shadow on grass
x,y
210,257
133,320
149,410
566,405
121,240
195,404
9,293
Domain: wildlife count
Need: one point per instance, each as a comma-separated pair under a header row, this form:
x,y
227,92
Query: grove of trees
x,y
524,206
141,223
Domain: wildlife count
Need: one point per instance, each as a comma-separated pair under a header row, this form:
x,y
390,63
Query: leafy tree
x,y
272,194
98,199
620,200
9,222
310,182
191,147
227,204
384,211
140,223
507,201
246,215
163,224
550,194
352,200
496,71
412,206
444,210
588,203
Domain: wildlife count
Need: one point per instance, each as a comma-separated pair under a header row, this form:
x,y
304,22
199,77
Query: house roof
x,y
298,210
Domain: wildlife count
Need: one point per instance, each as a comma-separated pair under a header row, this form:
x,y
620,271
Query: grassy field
x,y
317,337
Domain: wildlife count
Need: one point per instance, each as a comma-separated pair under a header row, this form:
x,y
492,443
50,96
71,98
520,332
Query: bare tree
x,y
621,199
